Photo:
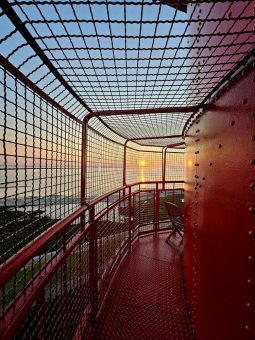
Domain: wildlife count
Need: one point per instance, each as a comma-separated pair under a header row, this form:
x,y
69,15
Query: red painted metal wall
x,y
220,215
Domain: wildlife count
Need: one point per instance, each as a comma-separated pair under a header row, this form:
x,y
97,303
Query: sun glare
x,y
189,163
142,163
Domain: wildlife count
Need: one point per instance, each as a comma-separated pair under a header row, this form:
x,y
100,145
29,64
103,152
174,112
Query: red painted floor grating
x,y
146,299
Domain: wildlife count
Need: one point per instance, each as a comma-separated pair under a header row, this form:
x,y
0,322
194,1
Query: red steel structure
x,y
108,109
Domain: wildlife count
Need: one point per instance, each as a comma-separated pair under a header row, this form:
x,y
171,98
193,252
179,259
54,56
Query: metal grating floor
x,y
146,299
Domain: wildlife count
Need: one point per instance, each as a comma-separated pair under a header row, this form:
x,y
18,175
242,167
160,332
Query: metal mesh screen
x,y
145,164
60,308
133,172
39,164
104,165
160,124
150,165
174,166
117,55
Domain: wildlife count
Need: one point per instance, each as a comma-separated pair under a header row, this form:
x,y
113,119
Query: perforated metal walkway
x,y
146,299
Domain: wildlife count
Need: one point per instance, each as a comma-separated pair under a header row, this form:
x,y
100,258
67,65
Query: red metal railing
x,y
78,255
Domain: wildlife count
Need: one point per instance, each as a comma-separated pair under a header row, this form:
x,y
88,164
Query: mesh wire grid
x,y
40,164
127,54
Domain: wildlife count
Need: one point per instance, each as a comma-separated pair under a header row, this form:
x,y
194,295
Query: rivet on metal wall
x,y
251,233
251,210
248,305
252,185
249,281
252,162
247,328
232,123
250,258
253,138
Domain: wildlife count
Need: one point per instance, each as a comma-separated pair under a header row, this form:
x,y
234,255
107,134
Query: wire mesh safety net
x,y
130,54
104,165
40,164
144,164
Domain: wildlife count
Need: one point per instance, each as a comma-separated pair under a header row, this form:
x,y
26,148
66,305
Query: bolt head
x,y
247,328
251,233
251,210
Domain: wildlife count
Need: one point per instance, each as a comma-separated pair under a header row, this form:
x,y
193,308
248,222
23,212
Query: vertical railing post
x,y
156,208
129,217
164,153
83,168
163,168
124,181
139,208
93,263
134,222
64,285
84,148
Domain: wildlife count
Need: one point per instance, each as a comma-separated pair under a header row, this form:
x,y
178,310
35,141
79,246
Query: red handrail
x,y
18,260
22,303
